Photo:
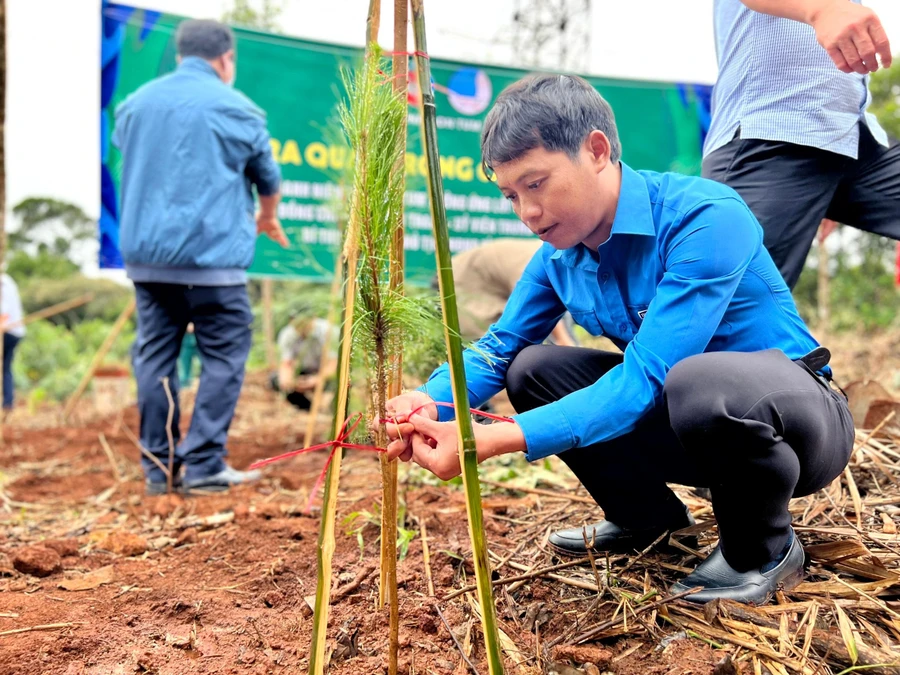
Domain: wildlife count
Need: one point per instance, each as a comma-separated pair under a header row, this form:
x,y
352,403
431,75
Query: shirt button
x,y
623,327
604,276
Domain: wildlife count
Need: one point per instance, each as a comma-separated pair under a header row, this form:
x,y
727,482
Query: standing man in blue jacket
x,y
719,383
192,147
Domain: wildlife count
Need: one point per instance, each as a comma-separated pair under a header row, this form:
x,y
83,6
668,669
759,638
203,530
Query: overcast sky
x,y
52,132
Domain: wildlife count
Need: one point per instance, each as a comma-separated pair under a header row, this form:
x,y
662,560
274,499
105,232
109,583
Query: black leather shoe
x,y
607,536
720,580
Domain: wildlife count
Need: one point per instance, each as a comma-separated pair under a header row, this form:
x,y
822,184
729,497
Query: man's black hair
x,y
553,111
205,38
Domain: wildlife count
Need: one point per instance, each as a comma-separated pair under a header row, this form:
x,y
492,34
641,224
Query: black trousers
x,y
790,188
755,428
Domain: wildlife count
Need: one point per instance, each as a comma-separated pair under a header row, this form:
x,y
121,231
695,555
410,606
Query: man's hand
x,y
400,431
271,226
852,35
435,446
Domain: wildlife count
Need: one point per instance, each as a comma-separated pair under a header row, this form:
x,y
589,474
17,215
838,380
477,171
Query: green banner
x,y
298,84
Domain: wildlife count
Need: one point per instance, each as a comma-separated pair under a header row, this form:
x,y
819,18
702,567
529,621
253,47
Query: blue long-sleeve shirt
x,y
683,272
192,147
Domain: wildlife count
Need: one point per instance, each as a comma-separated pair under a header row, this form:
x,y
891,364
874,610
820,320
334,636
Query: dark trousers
x,y
755,428
222,318
791,188
10,342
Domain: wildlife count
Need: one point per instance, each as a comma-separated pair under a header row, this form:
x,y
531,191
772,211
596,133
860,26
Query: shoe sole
x,y
662,547
201,490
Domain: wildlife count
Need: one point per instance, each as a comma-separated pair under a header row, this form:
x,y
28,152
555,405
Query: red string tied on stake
x,y
347,428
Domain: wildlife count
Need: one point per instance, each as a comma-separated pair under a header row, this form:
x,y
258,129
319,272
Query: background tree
x,y
47,224
259,15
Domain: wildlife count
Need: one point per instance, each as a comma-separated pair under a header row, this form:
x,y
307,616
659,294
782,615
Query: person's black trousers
x,y
755,428
791,188
222,325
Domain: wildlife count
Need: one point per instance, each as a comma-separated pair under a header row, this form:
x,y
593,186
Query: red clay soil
x,y
218,584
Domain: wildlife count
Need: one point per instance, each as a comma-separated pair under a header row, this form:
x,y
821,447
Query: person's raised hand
x,y
852,35
399,429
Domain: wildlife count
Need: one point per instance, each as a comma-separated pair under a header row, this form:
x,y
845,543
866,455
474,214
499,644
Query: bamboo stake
x,y
319,390
2,175
52,310
99,356
326,544
388,572
268,324
466,440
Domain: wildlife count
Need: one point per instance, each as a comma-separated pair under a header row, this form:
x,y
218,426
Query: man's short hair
x,y
553,111
205,38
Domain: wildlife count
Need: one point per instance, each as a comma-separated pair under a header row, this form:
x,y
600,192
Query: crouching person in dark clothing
x,y
719,385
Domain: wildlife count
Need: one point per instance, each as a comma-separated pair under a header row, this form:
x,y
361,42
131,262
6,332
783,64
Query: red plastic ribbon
x,y
347,428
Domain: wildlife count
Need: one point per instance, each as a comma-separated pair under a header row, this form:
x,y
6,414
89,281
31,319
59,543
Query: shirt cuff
x,y
440,393
546,430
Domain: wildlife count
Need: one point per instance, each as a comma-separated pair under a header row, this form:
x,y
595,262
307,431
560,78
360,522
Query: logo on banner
x,y
469,91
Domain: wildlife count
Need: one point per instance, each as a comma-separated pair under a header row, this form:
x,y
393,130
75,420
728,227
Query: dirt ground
x,y
223,584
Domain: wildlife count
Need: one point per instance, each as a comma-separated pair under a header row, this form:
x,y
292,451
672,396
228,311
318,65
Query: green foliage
x,y
862,293
44,265
245,14
51,359
885,88
109,300
37,217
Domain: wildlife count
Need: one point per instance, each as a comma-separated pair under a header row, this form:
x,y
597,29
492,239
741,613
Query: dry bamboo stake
x,y
326,544
2,173
170,435
319,390
99,356
426,557
109,455
268,324
52,310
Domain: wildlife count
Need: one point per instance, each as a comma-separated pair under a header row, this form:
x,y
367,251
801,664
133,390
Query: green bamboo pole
x,y
454,344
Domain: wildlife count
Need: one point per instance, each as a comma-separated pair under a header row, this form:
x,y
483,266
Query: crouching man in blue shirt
x,y
192,147
720,384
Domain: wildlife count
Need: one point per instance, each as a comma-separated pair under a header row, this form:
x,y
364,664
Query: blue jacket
x,y
683,272
191,148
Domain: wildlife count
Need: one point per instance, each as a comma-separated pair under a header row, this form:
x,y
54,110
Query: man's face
x,y
558,197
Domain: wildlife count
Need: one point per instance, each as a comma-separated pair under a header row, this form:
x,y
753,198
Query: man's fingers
x,y
399,431
851,56
866,50
425,425
396,449
839,60
882,44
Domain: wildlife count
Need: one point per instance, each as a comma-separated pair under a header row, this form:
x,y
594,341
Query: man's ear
x,y
598,149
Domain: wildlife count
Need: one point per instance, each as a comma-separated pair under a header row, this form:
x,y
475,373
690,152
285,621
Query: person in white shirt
x,y
13,332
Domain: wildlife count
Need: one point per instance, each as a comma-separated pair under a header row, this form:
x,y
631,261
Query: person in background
x,y
301,344
13,331
790,130
192,149
485,277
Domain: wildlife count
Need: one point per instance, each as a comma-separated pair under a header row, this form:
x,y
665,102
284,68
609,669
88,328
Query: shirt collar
x,y
633,216
197,65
